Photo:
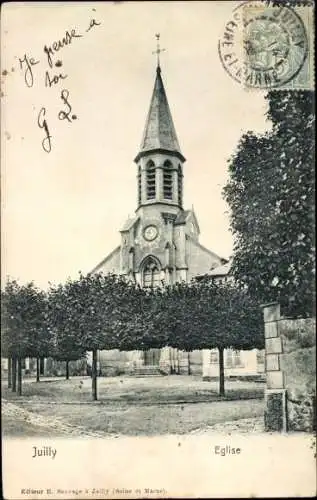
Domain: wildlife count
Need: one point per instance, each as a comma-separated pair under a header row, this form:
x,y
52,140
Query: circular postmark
x,y
263,46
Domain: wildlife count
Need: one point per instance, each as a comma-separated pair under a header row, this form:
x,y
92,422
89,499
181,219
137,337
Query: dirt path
x,y
14,412
241,426
56,425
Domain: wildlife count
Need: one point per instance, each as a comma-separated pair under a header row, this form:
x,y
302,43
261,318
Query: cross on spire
x,y
158,49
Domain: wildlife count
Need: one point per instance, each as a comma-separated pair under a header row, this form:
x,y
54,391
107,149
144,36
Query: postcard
x,y
158,318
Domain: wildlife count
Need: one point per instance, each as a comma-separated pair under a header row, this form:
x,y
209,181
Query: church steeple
x,y
159,132
159,159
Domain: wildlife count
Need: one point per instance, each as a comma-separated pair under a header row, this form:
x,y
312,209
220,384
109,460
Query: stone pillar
x,y
175,186
174,360
167,278
206,363
159,183
165,360
137,358
140,358
249,364
143,183
44,367
131,260
210,369
182,274
138,278
275,416
183,362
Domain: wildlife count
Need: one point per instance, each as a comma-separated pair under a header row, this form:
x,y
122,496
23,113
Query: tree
x,y
25,331
64,324
94,307
106,297
207,315
178,310
141,324
271,197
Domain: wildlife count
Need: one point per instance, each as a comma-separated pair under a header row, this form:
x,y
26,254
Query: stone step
x,y
145,371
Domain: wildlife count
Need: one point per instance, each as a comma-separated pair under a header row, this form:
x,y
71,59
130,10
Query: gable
x,y
110,264
186,217
199,258
129,224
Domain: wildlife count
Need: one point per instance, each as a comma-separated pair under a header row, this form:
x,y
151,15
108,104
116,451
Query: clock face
x,y
150,233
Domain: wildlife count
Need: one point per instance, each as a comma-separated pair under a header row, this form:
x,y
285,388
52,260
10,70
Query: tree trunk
x,y
37,369
19,376
67,369
221,372
42,366
9,372
188,362
14,374
94,375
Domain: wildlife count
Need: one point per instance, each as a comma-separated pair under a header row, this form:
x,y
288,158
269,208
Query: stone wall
x,y
290,346
198,362
58,368
115,362
51,367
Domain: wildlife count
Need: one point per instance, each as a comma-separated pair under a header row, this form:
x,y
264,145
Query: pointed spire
x,y
159,132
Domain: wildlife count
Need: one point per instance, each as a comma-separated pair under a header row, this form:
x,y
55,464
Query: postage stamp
x,y
267,46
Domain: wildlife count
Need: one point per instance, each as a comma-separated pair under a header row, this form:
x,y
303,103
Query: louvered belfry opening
x,y
168,181
150,181
139,186
180,185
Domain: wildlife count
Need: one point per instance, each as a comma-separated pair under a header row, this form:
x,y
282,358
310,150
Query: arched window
x,y
180,186
150,180
167,180
151,273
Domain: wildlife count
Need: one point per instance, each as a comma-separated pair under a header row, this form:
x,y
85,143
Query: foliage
x,y
271,197
140,325
205,315
96,312
64,323
25,330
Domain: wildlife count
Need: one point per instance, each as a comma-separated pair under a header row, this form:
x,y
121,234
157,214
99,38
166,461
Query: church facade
x,y
161,242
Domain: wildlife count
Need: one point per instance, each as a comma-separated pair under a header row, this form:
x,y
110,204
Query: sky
x,y
62,210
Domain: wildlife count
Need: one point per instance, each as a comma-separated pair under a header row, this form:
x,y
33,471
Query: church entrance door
x,y
152,357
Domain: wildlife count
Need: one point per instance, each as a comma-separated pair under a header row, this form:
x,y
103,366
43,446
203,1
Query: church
x,y
161,242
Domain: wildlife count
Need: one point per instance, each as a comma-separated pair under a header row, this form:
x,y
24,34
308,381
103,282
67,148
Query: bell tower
x,y
159,160
160,241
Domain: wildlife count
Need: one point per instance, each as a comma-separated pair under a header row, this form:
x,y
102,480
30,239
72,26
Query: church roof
x,y
112,254
199,245
184,215
223,270
159,132
129,223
